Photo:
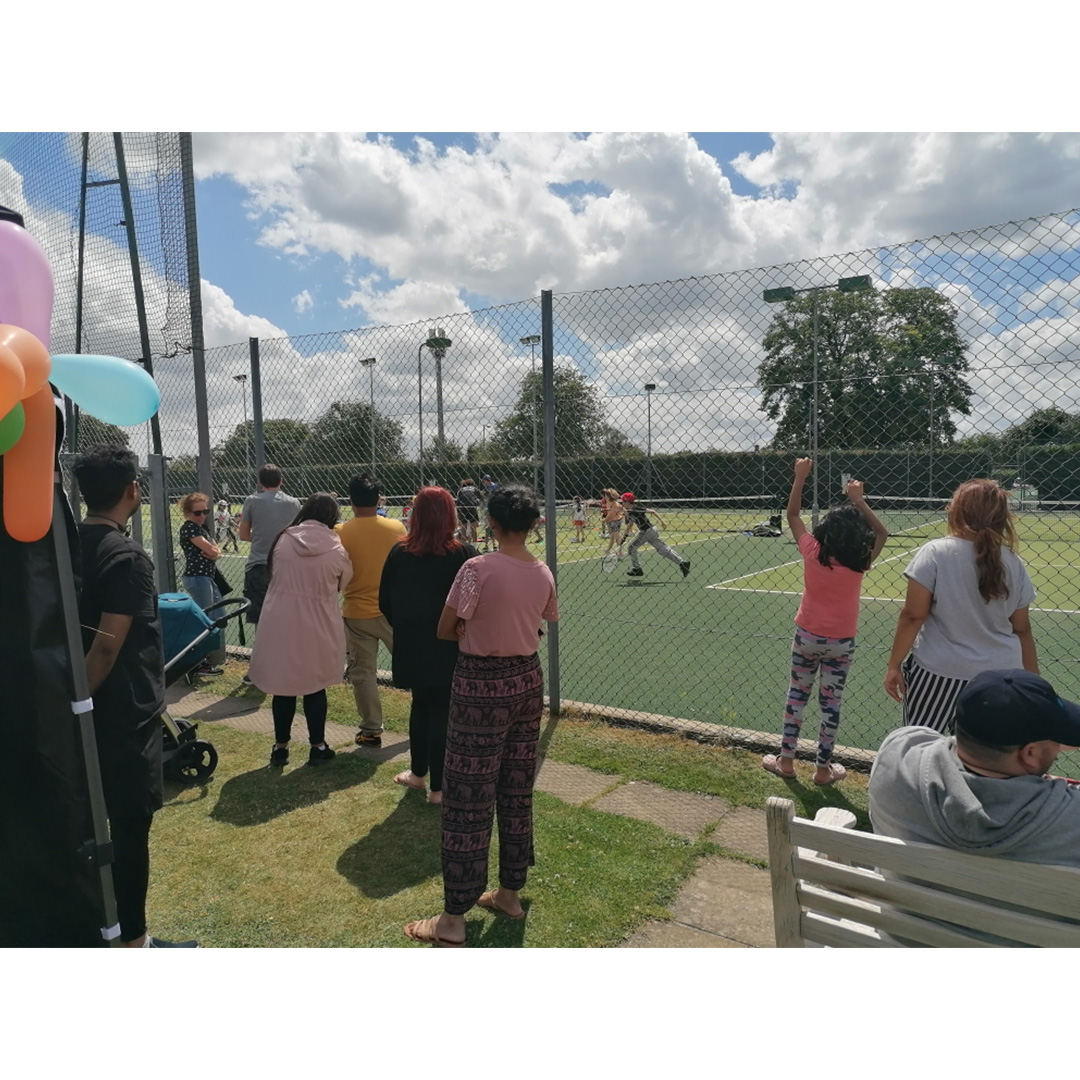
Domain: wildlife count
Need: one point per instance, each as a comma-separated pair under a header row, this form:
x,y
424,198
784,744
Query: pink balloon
x,y
26,282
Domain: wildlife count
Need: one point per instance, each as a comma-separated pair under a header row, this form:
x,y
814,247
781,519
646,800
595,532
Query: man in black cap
x,y
985,789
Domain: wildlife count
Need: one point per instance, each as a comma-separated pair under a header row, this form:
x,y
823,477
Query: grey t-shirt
x,y
964,634
268,512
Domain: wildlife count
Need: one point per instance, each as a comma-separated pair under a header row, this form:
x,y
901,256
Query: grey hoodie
x,y
920,791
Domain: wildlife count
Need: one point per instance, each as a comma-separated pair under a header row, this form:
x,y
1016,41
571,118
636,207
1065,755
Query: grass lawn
x,y
340,856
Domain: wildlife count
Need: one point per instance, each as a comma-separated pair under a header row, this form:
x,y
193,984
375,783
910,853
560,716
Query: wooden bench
x,y
824,892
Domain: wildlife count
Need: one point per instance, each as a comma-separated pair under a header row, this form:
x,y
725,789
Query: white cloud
x,y
302,302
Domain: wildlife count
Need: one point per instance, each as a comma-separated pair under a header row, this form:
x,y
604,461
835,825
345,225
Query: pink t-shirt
x,y
503,601
830,603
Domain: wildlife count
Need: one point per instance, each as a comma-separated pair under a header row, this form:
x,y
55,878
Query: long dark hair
x,y
846,538
979,511
321,507
432,523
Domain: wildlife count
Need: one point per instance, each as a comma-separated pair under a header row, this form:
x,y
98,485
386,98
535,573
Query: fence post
x,y
198,346
547,353
256,403
160,525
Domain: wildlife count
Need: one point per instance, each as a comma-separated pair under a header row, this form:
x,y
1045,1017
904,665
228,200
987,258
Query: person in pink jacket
x,y
300,650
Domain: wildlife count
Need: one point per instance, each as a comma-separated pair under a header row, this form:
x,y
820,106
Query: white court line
x,y
883,599
676,544
798,562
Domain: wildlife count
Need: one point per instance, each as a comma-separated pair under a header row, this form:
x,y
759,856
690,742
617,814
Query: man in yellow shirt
x,y
368,539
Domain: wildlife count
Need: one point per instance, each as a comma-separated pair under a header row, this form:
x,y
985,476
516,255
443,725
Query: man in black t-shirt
x,y
125,668
468,509
635,515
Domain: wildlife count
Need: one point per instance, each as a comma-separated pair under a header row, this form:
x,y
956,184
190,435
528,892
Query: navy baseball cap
x,y
486,476
1012,708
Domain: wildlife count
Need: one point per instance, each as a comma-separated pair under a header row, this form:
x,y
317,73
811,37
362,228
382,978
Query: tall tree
x,y
891,368
283,440
580,426
343,433
92,431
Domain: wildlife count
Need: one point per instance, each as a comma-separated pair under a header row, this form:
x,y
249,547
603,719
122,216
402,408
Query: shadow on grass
x,y
259,796
397,853
814,796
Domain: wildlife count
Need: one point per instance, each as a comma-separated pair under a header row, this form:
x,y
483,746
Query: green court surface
x,y
715,646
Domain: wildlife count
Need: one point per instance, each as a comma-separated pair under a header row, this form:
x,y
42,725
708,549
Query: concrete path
x,y
725,904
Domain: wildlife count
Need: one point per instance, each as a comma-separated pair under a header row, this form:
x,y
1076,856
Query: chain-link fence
x,y
911,367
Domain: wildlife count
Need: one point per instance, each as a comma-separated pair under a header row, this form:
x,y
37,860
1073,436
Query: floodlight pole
x,y
242,380
649,388
789,292
532,340
369,363
438,345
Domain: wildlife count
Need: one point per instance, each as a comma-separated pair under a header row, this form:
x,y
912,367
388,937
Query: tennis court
x,y
715,646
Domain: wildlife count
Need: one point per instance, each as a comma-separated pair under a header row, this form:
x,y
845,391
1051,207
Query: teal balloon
x,y
11,428
116,391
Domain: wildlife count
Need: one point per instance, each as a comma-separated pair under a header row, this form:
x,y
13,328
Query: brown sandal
x,y
487,901
426,931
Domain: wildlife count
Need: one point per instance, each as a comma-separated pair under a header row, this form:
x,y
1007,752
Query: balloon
x,y
114,390
28,471
26,282
12,380
11,428
34,356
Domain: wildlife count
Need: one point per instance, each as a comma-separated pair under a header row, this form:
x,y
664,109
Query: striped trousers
x,y
930,700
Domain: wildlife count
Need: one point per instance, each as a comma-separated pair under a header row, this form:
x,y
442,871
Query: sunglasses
x,y
198,513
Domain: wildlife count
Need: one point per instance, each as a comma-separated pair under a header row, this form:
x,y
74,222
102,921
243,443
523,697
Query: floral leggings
x,y
833,656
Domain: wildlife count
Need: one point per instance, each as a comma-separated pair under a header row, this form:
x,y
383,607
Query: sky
x,y
370,240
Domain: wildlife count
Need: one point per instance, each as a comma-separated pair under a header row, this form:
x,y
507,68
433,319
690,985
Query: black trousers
x,y
284,709
130,831
427,732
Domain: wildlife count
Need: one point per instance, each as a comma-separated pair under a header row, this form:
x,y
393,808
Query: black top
x,y
412,595
468,496
635,515
196,564
118,578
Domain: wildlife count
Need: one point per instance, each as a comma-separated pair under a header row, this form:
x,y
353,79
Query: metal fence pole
x,y
160,525
136,275
198,345
815,425
256,403
547,363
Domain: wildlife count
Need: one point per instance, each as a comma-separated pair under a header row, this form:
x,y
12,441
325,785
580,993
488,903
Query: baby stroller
x,y
189,635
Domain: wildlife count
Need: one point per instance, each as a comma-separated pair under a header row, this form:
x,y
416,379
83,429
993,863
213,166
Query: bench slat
x,y
823,930
888,919
1057,888
1016,926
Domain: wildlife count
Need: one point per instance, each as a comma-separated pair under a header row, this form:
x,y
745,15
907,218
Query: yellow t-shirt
x,y
368,541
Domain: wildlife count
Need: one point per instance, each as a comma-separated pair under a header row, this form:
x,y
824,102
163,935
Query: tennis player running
x,y
611,516
636,514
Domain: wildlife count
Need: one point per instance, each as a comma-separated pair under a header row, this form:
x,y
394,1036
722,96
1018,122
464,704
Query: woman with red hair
x,y
416,579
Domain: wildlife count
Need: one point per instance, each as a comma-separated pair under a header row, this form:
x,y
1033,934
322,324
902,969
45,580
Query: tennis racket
x,y
609,562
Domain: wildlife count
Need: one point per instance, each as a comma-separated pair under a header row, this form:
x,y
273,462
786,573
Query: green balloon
x,y
11,428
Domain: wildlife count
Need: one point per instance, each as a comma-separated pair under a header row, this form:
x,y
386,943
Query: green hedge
x,y
1054,470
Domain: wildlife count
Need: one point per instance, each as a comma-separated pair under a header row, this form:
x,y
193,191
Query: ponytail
x,y
979,511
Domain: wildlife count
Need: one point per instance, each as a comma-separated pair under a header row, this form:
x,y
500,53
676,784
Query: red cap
x,y
628,496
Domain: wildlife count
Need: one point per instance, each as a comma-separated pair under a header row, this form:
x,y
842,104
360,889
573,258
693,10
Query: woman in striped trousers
x,y
966,609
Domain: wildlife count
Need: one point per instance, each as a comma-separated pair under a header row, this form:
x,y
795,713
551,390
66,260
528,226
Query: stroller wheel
x,y
195,761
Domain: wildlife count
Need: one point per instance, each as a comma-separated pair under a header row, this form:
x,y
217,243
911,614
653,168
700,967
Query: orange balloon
x,y
12,380
28,471
34,356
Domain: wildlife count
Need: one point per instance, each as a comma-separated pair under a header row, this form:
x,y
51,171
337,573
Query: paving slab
x,y
743,830
728,898
673,935
679,812
573,784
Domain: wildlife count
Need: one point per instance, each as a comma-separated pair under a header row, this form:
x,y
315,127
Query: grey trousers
x,y
651,536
